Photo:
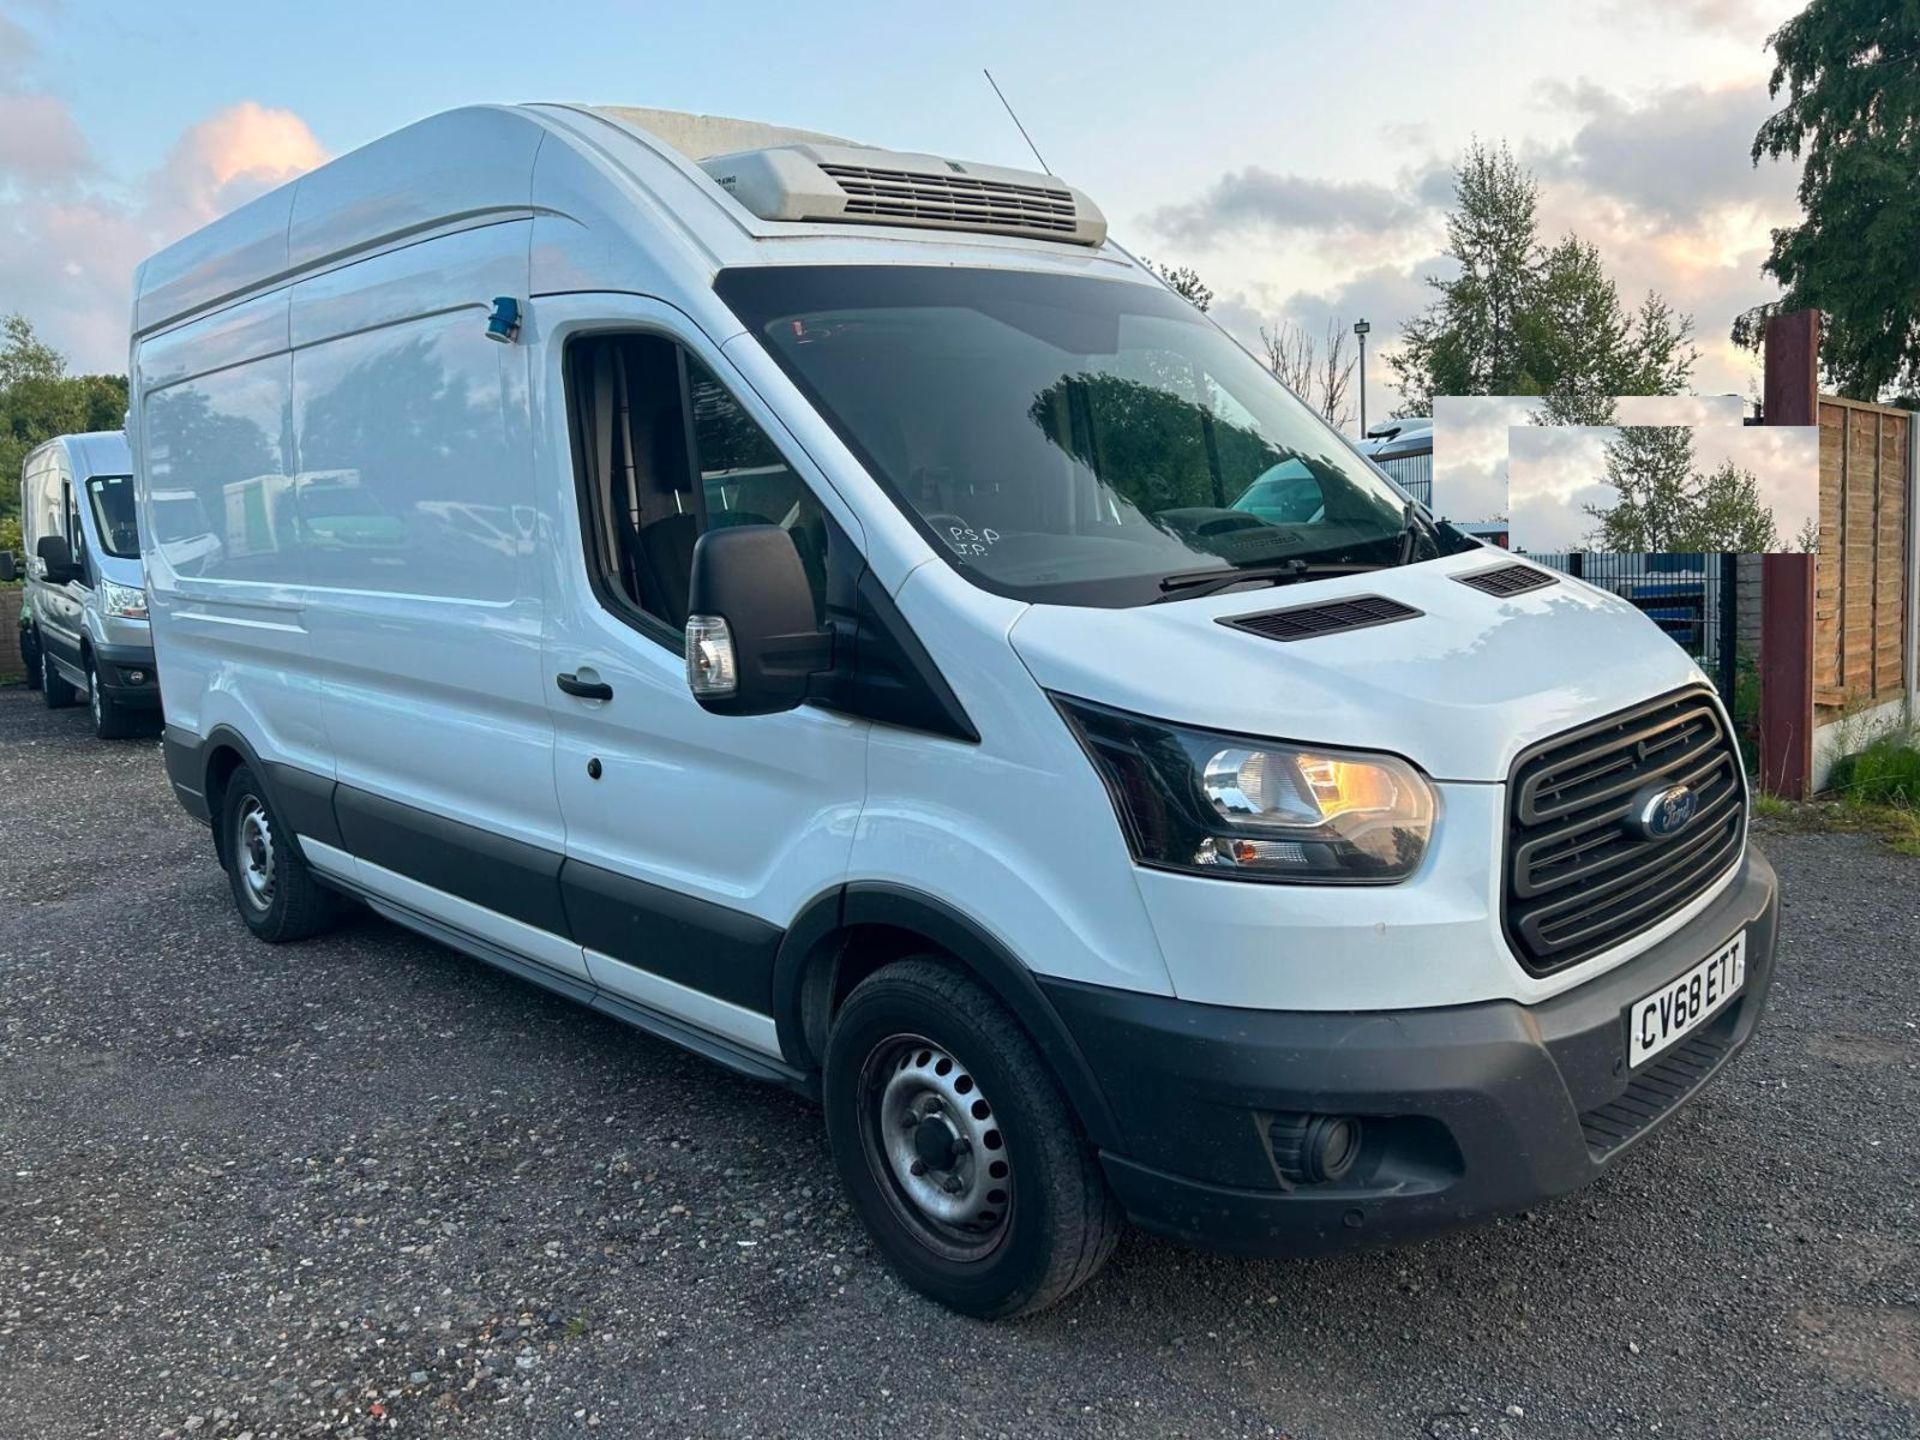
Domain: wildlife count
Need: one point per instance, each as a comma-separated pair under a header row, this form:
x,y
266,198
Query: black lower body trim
x,y
186,759
708,947
1465,1112
305,802
507,876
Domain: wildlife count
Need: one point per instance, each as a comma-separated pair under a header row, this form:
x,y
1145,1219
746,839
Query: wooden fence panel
x,y
1861,579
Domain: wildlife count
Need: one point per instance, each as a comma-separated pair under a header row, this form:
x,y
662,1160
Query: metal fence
x,y
1413,474
1695,599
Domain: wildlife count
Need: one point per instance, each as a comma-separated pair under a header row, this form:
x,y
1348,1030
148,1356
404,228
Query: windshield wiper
x,y
1202,582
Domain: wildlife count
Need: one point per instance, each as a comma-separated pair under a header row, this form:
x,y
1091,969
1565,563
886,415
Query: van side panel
x,y
212,428
414,510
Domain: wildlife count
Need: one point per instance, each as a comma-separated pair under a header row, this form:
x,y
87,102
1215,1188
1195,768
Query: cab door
x,y
692,840
60,609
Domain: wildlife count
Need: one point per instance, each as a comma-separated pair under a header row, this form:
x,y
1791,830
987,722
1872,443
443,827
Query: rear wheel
x,y
111,720
275,892
957,1147
54,689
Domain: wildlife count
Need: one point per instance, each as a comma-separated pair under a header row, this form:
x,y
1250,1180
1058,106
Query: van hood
x,y
1459,689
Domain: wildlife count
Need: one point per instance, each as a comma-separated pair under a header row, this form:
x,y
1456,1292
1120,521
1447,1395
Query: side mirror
x,y
752,640
9,567
57,559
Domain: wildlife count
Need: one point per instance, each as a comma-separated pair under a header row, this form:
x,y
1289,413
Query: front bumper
x,y
1468,1111
117,665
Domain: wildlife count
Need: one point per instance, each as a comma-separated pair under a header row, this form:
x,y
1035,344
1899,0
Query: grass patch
x,y
1886,772
1874,791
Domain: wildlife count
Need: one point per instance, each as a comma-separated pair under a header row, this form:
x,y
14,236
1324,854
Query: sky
x,y
1555,472
1299,156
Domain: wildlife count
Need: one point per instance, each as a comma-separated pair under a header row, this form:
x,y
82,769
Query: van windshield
x,y
1074,440
112,499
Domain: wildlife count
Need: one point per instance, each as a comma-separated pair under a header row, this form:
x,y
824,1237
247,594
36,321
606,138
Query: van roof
x,y
599,182
95,452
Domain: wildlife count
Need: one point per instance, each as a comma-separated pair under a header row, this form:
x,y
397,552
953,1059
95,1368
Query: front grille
x,y
1662,1085
1580,875
1329,617
1508,579
923,198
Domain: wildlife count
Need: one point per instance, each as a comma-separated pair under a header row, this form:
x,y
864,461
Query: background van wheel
x,y
957,1148
54,689
276,894
111,720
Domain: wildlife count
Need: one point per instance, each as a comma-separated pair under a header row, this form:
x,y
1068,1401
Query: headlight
x,y
1224,805
129,602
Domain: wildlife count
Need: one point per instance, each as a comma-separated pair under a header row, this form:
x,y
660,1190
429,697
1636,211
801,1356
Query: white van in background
x,y
85,587
789,595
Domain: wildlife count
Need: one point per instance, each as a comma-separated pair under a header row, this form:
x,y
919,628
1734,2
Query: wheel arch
x,y
849,932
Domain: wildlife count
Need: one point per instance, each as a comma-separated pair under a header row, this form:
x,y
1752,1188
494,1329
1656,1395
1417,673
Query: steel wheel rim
x,y
936,1147
254,842
93,694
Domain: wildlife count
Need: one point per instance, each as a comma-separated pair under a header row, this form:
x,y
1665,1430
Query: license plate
x,y
1686,1003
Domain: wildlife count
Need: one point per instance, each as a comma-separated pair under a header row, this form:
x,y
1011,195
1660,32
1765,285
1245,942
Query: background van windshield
x,y
1068,439
112,500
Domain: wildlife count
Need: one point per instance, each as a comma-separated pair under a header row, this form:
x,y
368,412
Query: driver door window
x,y
70,524
663,452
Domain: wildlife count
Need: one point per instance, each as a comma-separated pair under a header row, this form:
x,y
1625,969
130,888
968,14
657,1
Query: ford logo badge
x,y
1663,814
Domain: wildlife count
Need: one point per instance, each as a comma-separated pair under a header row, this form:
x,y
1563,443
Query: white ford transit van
x,y
85,587
792,596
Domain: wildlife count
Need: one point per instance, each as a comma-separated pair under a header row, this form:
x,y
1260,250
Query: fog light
x,y
1315,1149
136,677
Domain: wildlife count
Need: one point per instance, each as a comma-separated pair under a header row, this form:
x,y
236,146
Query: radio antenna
x,y
1016,121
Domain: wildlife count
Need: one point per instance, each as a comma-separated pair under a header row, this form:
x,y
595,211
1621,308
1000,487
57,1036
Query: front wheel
x,y
30,656
55,692
957,1147
111,720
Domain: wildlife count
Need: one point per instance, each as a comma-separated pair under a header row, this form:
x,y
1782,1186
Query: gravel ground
x,y
366,1185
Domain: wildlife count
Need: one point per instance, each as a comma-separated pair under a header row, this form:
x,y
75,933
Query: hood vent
x,y
851,184
1506,580
1330,617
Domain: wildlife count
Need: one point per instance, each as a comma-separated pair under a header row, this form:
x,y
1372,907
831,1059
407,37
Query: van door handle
x,y
585,689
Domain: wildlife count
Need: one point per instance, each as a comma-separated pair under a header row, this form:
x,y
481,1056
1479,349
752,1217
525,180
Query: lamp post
x,y
1360,328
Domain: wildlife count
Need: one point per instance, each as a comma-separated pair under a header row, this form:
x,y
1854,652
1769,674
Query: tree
x,y
1320,376
1851,72
1664,504
1525,319
1184,281
39,400
24,356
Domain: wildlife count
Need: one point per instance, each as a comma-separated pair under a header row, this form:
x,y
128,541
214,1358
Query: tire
x,y
1021,1231
30,656
111,720
54,689
272,888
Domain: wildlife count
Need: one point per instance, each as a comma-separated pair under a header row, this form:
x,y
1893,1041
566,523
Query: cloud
x,y
1258,199
41,147
230,158
17,49
67,258
1673,156
1736,19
